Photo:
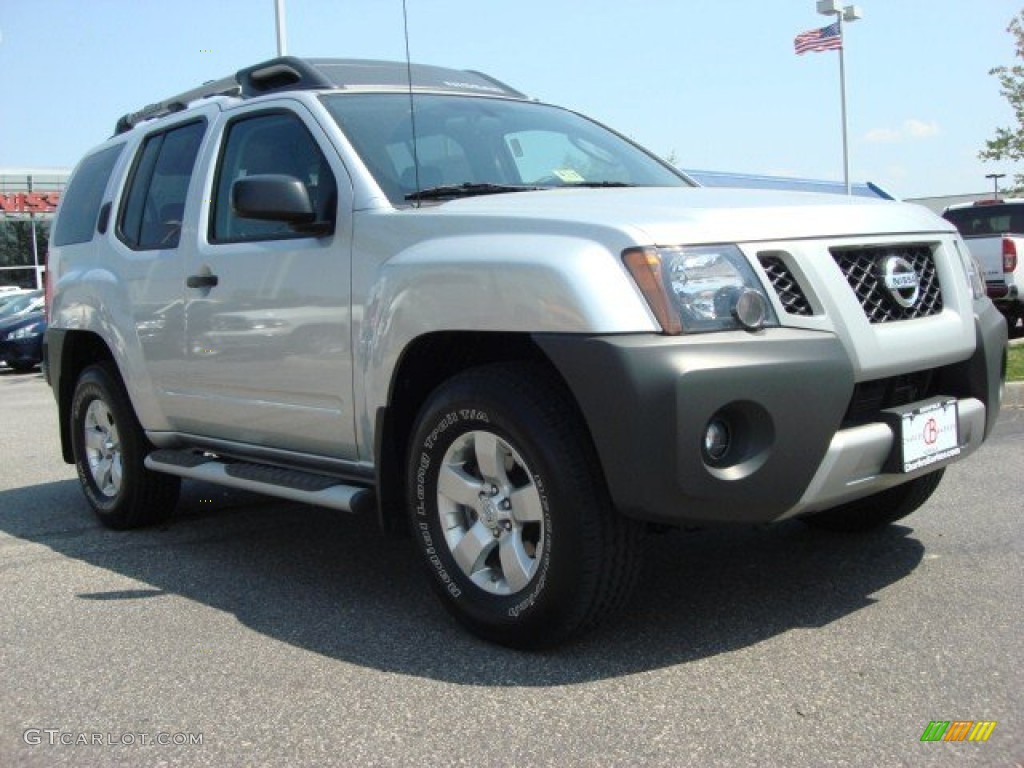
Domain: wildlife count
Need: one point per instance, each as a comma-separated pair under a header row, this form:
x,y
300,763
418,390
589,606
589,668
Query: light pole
x,y
995,183
849,13
281,33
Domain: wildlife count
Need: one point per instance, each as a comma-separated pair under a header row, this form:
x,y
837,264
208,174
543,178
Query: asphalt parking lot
x,y
248,631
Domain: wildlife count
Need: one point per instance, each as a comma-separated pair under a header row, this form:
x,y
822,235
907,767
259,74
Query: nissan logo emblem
x,y
901,280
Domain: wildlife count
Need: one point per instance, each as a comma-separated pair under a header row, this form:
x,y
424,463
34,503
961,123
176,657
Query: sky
x,y
714,84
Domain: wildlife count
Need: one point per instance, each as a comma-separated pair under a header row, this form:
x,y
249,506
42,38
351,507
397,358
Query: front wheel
x,y
878,510
110,447
510,511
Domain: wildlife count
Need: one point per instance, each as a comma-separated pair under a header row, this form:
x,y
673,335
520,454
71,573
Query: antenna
x,y
412,104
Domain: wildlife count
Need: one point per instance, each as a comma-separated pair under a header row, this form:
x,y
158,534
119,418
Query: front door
x,y
267,356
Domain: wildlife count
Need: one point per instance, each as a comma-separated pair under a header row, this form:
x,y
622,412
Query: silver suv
x,y
497,325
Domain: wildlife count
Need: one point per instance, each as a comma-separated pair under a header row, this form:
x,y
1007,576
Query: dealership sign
x,y
29,202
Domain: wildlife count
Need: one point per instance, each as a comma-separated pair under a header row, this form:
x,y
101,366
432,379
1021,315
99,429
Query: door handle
x,y
201,281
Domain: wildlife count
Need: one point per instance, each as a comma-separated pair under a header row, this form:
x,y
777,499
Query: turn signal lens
x,y
644,264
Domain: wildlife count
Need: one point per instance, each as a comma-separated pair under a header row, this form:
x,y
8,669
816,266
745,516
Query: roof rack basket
x,y
290,73
280,74
227,86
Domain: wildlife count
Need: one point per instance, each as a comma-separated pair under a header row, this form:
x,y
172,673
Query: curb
x,y
1013,395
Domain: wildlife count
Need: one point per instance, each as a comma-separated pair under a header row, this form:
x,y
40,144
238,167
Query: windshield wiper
x,y
599,184
467,189
471,189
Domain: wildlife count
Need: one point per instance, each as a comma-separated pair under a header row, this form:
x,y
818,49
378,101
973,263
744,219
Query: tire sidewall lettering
x,y
540,580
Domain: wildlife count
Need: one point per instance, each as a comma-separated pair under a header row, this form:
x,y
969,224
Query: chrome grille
x,y
788,289
861,266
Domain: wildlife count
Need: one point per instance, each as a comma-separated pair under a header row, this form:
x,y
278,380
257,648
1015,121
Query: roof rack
x,y
227,86
290,73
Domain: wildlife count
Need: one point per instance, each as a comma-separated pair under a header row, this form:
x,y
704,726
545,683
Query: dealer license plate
x,y
930,434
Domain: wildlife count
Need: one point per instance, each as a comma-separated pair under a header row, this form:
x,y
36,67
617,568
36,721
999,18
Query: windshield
x,y
474,145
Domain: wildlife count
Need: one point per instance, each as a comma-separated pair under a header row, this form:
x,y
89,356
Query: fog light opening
x,y
717,440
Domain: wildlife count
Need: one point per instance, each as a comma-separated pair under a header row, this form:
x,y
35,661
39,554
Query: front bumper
x,y
24,351
787,395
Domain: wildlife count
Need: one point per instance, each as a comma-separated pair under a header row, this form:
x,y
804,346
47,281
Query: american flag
x,y
824,39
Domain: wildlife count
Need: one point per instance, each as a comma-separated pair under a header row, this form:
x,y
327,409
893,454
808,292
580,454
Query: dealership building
x,y
28,199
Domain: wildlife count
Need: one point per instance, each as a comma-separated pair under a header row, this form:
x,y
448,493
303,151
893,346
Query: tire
x,y
510,511
878,510
1015,326
109,448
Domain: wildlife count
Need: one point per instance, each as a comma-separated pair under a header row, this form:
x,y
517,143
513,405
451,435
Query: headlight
x,y
705,288
29,330
972,269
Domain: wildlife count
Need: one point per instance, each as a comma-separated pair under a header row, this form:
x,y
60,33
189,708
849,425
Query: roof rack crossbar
x,y
497,82
227,86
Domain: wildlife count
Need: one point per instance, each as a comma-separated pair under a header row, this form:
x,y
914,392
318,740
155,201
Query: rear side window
x,y
80,205
154,202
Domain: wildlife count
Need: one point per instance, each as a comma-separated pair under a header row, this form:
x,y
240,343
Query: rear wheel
x,y
511,513
1015,325
878,510
110,447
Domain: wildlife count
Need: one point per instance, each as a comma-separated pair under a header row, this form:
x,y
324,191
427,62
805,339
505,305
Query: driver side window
x,y
269,143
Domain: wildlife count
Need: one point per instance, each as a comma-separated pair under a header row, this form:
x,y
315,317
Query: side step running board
x,y
284,483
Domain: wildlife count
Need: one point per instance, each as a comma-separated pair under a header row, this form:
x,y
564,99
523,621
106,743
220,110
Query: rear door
x,y
147,237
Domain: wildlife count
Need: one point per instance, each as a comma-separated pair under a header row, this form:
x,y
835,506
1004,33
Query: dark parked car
x,y
21,340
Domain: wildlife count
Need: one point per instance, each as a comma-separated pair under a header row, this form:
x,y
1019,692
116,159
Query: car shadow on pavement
x,y
332,584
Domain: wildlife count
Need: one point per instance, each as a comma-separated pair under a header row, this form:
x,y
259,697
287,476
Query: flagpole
x,y
842,100
282,46
849,13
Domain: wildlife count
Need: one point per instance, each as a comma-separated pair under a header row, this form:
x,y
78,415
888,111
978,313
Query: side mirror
x,y
277,197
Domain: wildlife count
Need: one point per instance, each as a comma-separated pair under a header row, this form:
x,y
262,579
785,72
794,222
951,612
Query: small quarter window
x,y
80,206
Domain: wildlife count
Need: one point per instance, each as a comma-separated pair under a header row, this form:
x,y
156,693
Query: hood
x,y
670,216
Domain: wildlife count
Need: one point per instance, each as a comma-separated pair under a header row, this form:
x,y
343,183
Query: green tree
x,y
1008,143
16,249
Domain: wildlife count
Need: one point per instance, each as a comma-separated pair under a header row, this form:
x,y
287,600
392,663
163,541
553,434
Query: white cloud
x,y
882,136
910,129
918,129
